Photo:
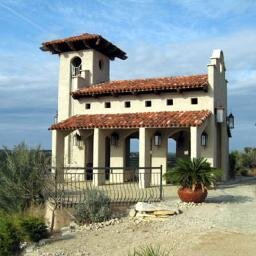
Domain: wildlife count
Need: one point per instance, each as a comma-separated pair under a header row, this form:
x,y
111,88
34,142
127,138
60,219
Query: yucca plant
x,y
95,207
149,251
193,173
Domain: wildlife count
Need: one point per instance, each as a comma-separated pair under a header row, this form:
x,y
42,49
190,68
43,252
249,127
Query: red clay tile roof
x,y
194,82
134,120
82,42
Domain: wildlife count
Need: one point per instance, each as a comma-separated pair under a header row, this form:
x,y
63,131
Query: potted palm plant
x,y
194,177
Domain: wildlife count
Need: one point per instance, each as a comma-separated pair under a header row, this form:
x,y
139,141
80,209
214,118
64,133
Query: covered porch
x,y
100,146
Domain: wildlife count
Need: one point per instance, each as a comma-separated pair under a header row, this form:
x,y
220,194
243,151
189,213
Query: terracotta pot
x,y
188,195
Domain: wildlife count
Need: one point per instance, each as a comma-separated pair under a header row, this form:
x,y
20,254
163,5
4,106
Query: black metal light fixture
x,y
157,139
204,139
114,139
230,121
78,140
219,114
56,118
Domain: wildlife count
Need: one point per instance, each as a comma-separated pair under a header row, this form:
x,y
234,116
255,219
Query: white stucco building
x,y
97,117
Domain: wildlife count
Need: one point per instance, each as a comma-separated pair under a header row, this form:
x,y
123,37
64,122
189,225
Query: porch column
x,y
98,157
144,157
159,157
58,143
194,142
117,160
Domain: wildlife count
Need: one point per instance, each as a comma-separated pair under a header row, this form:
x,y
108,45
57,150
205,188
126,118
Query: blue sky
x,y
161,38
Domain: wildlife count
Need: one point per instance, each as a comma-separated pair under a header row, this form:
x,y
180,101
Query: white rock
x,y
65,229
44,242
73,225
154,207
23,245
132,213
67,235
30,248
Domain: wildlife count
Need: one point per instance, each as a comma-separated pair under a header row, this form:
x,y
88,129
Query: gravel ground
x,y
223,225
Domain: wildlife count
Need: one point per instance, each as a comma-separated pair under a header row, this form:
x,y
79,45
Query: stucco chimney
x,y
217,59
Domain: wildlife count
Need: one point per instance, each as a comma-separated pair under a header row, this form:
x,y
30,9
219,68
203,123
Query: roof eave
x,y
97,43
79,94
193,123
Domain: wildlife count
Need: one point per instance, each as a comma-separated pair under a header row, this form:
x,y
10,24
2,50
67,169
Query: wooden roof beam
x,y
56,48
98,41
85,43
71,46
111,50
103,44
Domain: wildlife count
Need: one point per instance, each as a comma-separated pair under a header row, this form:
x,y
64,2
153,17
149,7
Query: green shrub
x,y
22,177
33,228
243,162
94,208
149,251
10,237
167,177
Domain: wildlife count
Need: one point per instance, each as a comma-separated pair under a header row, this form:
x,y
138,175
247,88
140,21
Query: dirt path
x,y
224,225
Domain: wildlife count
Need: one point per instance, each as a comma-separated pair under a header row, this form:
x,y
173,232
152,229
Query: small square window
x,y
169,102
87,106
127,104
107,105
194,101
148,103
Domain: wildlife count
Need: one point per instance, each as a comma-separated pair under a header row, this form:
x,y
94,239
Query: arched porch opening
x,y
89,157
107,157
131,155
132,151
171,152
178,146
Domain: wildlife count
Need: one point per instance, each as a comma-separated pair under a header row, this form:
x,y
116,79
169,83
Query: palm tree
x,y
193,173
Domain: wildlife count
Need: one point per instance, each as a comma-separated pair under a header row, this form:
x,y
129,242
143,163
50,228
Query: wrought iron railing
x,y
121,185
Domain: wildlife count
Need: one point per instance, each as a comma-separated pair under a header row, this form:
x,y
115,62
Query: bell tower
x,y
84,61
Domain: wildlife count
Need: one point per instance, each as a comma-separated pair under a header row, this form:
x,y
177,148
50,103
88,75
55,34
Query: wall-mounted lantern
x,y
78,141
204,139
219,114
114,139
56,118
157,139
230,121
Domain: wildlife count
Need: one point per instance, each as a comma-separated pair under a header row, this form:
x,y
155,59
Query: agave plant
x,y
193,173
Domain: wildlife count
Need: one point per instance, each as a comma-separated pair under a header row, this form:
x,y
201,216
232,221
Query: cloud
x,y
162,39
22,17
214,9
193,57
